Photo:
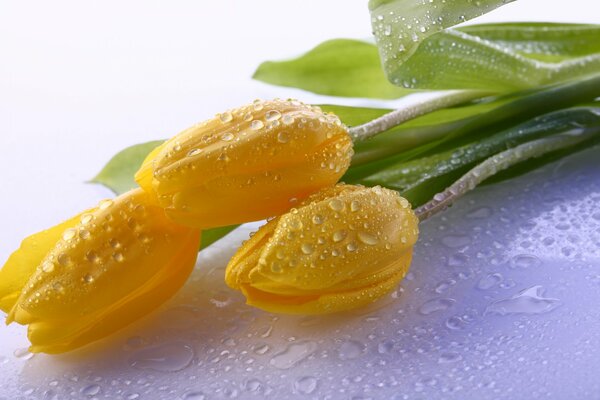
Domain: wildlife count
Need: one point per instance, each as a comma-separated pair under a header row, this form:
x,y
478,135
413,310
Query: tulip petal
x,y
123,259
328,302
247,164
25,260
343,247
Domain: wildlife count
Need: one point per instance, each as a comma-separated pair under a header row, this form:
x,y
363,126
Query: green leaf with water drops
x,y
400,26
117,174
339,67
498,57
419,179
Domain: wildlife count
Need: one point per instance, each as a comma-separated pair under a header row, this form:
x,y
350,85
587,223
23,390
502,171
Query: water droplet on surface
x,y
317,219
88,278
479,213
272,115
90,390
256,125
336,204
293,354
454,241
449,357
168,357
227,137
104,204
489,281
525,261
69,234
350,349
528,301
306,385
194,152
47,267
194,396
226,117
282,137
307,248
338,236
354,206
436,305
368,238
23,354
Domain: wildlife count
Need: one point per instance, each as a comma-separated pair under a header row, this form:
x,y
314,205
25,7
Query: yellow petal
x,y
247,164
23,262
345,243
122,260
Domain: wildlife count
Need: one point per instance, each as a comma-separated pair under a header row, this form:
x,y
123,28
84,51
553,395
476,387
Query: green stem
x,y
497,163
396,117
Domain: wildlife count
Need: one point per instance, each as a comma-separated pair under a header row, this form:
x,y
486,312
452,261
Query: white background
x,y
81,80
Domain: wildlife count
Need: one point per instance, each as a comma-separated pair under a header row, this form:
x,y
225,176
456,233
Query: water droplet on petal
x,y
368,238
256,125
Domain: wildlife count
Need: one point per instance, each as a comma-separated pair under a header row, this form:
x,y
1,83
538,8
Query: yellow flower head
x,y
247,164
342,248
95,273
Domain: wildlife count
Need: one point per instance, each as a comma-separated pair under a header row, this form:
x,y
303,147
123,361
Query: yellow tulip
x,y
342,248
247,164
94,274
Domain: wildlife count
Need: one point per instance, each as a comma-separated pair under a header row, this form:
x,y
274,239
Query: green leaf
x,y
417,53
209,236
117,174
449,128
418,180
340,67
400,26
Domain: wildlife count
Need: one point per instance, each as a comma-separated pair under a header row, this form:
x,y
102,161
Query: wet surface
x,y
501,302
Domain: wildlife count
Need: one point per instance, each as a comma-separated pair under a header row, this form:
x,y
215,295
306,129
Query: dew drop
x,y
90,390
282,137
64,260
293,354
169,357
88,278
307,248
47,267
226,117
528,301
336,205
317,219
118,256
227,137
354,206
69,234
350,349
338,236
368,238
351,246
92,256
194,152
86,218
104,204
435,305
306,385
84,234
272,115
256,125
287,119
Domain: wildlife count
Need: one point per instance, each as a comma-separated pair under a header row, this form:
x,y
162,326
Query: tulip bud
x,y
247,164
342,248
92,275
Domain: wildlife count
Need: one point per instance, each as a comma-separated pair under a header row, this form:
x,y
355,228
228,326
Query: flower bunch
x,y
329,248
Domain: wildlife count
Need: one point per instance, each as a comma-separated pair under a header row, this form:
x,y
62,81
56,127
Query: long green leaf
x,y
418,180
418,53
341,67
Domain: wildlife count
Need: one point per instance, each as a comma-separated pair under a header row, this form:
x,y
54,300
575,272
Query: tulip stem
x,y
499,162
378,125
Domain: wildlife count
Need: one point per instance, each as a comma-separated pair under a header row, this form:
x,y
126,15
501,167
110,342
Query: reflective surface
x,y
501,303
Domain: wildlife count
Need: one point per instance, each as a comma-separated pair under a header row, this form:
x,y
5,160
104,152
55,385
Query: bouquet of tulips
x,y
326,246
